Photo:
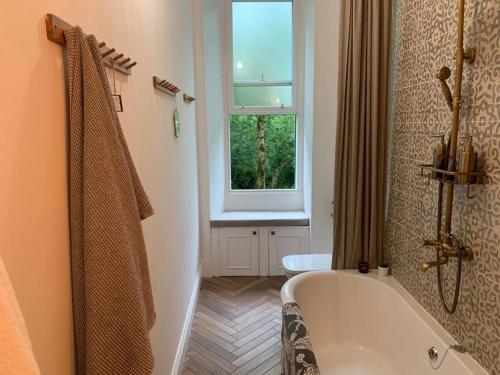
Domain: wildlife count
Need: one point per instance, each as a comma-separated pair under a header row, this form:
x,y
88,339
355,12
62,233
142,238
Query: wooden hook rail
x,y
55,32
170,88
188,99
165,86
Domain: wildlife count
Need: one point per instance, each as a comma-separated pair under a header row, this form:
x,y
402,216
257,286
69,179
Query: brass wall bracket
x,y
470,55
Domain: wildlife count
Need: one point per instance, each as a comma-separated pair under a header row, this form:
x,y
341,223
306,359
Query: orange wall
x,y
34,234
33,216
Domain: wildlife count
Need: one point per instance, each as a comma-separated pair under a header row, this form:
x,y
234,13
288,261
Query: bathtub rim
x,y
443,337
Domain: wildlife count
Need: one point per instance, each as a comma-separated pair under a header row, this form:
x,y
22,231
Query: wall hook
x,y
56,28
469,196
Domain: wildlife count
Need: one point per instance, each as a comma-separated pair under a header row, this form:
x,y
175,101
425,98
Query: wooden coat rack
x,y
111,58
170,89
165,86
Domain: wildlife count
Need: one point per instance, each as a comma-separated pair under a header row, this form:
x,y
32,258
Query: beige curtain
x,y
360,166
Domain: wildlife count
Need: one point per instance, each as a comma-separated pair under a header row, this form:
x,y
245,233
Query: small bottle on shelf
x,y
467,159
440,156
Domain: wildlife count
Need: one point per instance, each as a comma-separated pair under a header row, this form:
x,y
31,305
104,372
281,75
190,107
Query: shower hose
x,y
459,263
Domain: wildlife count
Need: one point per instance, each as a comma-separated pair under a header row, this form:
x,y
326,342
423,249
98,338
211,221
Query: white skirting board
x,y
179,356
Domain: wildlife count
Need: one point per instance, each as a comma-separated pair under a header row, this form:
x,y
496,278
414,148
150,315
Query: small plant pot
x,y
383,271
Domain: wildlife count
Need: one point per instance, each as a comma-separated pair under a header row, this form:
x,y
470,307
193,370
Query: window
x,y
262,53
263,151
263,122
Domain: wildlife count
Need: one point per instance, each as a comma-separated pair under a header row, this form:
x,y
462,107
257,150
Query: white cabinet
x,y
286,241
239,251
254,251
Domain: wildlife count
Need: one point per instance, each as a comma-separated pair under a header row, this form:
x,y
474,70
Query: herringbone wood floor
x,y
236,327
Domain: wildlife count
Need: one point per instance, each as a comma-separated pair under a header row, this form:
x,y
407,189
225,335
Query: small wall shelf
x,y
450,177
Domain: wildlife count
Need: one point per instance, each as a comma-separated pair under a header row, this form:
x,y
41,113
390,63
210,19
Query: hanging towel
x,y
113,304
16,355
297,356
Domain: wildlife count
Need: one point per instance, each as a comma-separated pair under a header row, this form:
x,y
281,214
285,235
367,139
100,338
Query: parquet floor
x,y
236,327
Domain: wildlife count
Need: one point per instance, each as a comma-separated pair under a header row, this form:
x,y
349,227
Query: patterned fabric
x,y
297,356
113,304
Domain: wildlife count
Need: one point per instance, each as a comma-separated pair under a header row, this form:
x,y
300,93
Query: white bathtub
x,y
370,325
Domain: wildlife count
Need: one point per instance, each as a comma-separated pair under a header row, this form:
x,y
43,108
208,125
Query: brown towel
x,y
113,304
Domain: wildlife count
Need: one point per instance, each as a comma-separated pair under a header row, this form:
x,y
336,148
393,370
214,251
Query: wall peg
x,y
165,86
56,27
188,99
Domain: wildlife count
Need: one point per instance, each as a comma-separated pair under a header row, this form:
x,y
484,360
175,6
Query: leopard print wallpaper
x,y
424,37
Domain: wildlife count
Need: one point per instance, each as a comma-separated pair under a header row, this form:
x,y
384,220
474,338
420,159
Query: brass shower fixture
x,y
453,171
442,75
470,55
440,262
446,251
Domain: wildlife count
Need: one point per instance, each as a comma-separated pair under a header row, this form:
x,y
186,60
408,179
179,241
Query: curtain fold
x,y
112,297
360,156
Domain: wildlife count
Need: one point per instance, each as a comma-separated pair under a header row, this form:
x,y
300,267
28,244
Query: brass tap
x,y
450,251
441,262
446,251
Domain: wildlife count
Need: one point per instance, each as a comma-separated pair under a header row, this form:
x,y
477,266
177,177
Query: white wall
x,y
33,187
202,133
214,75
210,70
325,120
308,30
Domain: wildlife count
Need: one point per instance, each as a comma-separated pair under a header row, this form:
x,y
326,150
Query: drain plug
x,y
433,354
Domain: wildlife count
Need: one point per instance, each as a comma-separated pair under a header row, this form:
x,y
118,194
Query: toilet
x,y
296,264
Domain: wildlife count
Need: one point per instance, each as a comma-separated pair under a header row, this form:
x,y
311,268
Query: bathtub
x,y
370,325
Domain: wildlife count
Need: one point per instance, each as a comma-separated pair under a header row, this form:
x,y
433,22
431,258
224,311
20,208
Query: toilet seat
x,y
296,264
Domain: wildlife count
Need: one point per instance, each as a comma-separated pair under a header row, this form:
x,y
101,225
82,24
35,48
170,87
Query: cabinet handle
x,y
254,232
273,233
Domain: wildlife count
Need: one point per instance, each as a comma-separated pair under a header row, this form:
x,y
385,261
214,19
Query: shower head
x,y
442,75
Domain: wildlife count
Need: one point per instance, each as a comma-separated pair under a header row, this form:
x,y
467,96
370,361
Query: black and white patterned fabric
x,y
297,356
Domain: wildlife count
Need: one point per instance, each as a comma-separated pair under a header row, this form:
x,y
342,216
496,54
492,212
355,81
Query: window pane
x,y
263,96
263,149
262,42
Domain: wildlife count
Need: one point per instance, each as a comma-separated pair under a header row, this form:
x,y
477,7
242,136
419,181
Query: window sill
x,y
259,219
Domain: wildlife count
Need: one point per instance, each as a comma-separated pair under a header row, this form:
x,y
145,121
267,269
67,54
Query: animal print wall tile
x,y
424,38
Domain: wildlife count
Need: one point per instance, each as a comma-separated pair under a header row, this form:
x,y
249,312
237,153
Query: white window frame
x,y
266,199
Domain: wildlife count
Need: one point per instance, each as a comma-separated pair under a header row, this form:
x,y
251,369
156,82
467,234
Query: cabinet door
x,y
239,251
286,241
